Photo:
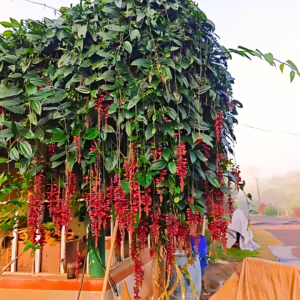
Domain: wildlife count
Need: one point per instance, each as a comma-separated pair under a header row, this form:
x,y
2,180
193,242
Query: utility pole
x,y
258,190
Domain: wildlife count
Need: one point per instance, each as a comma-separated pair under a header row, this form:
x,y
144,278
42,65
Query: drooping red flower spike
x,y
219,125
35,209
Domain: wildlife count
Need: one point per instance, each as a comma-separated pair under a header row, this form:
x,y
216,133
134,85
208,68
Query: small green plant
x,y
270,211
232,254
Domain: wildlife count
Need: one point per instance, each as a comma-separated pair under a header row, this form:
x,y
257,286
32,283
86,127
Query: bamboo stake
x,y
111,251
11,262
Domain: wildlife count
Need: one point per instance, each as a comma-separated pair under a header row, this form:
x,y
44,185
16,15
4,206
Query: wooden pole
x,y
258,190
111,252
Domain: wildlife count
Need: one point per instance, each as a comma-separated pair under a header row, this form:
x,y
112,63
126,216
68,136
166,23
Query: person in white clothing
x,y
239,234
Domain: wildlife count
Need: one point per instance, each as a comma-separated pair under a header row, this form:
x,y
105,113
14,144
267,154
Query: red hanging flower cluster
x,y
205,149
102,110
154,228
130,169
171,232
181,165
97,205
76,140
156,153
220,175
117,197
219,125
78,262
231,208
191,199
237,175
218,229
194,220
158,180
184,236
35,209
51,149
52,197
138,244
146,200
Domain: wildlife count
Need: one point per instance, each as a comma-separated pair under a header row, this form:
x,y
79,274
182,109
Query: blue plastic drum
x,y
202,250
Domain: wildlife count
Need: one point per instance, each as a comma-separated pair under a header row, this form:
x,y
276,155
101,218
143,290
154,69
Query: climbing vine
x,y
127,104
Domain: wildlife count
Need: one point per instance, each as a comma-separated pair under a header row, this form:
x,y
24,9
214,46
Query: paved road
x,y
287,231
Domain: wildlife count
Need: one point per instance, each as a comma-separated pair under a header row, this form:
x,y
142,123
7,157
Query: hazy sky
x,y
270,101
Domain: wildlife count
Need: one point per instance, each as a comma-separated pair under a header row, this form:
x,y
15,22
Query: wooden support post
x,y
111,234
62,251
203,226
14,250
111,251
122,249
88,254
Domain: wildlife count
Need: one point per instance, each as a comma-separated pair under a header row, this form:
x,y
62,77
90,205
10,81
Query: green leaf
x,y
292,65
29,245
181,205
192,156
32,118
83,89
31,89
172,113
135,34
36,106
106,75
103,135
176,200
128,128
166,153
127,47
24,165
35,170
6,92
172,167
114,27
19,109
25,149
292,75
57,156
71,162
14,128
269,58
59,138
213,178
118,3
145,179
200,155
91,133
113,108
10,102
159,165
15,202
148,132
110,160
281,67
142,62
125,186
169,128
3,160
137,221
133,102
109,128
14,154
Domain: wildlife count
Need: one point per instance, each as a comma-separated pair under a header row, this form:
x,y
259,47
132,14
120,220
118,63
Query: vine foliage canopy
x,y
126,104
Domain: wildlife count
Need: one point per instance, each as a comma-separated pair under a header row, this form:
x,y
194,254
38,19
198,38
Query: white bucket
x,y
195,273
